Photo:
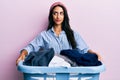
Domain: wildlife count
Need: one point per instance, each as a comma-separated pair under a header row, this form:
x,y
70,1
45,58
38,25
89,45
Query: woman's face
x,y
58,15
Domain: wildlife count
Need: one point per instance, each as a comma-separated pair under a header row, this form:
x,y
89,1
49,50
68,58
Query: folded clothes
x,y
39,58
87,59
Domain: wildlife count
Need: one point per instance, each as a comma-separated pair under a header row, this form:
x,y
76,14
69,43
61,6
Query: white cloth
x,y
58,62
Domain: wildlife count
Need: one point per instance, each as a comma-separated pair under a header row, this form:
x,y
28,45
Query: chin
x,y
58,23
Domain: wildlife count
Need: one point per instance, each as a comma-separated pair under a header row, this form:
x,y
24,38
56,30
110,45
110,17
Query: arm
x,y
81,44
34,45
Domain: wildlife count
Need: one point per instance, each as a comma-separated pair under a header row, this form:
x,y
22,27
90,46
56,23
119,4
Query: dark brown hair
x,y
65,25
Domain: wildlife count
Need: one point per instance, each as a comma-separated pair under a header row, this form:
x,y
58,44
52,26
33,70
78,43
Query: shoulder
x,y
76,33
45,33
42,33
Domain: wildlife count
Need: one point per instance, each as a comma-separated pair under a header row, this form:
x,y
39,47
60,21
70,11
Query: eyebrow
x,y
57,11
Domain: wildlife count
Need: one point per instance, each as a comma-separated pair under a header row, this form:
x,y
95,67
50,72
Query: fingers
x,y
22,57
100,58
18,60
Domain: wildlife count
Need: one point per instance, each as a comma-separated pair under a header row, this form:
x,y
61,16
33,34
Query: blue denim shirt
x,y
49,39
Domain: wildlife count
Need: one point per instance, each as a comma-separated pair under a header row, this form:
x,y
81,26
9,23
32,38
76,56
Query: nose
x,y
58,15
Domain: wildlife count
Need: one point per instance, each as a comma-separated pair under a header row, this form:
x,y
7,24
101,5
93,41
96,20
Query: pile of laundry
x,y
67,58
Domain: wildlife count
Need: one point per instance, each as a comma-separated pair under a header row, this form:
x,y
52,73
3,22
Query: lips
x,y
57,20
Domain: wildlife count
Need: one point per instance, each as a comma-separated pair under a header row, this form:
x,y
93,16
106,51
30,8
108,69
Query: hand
x,y
99,57
21,57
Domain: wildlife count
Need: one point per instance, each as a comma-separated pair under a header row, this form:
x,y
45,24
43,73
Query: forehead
x,y
58,9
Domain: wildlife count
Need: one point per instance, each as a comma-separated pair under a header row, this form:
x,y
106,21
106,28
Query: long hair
x,y
65,25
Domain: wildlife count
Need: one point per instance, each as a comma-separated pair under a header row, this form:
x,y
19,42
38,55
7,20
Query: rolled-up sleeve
x,y
81,43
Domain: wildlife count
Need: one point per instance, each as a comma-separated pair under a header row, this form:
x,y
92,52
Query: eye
x,y
61,13
54,13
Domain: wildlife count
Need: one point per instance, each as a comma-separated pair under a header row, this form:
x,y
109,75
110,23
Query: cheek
x,y
54,17
62,17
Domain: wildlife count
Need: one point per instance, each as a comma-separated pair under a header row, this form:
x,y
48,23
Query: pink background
x,y
98,21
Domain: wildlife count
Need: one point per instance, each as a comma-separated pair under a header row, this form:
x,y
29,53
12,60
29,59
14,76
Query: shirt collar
x,y
52,29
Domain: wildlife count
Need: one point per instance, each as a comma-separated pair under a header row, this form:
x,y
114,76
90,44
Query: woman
x,y
58,35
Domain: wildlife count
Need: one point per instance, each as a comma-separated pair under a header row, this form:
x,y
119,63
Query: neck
x,y
57,29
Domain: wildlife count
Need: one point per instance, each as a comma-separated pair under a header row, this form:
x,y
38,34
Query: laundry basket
x,y
60,73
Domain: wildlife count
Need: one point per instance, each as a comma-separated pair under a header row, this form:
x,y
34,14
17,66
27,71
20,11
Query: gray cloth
x,y
72,63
